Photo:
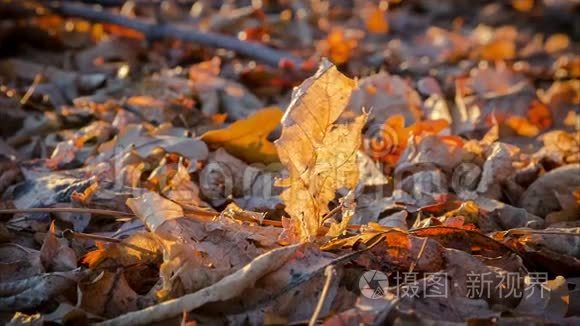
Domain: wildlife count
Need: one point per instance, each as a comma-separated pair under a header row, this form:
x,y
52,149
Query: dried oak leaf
x,y
469,241
247,139
319,154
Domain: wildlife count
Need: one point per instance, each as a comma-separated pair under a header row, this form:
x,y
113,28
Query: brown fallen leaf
x,y
55,253
144,141
154,210
109,295
139,248
194,251
339,45
217,92
17,262
469,241
30,293
540,197
226,177
247,139
404,252
386,95
319,154
550,298
227,288
556,250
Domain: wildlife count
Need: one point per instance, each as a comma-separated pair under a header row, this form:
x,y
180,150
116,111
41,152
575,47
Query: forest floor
x,y
337,162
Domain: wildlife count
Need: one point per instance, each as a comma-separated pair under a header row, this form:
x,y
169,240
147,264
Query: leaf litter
x,y
203,169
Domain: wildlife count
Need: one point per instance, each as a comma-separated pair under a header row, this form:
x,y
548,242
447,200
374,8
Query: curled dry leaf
x,y
319,154
193,250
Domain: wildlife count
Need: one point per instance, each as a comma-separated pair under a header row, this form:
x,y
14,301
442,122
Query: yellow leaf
x,y
319,153
377,22
247,139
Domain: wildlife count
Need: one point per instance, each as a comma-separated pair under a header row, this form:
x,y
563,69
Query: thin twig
x,y
153,31
547,232
330,273
414,263
64,210
31,89
79,235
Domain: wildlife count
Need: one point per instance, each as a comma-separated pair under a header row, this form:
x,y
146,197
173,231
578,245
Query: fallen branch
x,y
154,31
64,210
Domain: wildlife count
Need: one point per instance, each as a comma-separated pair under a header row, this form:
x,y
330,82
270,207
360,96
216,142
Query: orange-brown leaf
x,y
247,139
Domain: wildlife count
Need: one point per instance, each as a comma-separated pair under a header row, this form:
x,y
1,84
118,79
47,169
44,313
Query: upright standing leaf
x,y
320,155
